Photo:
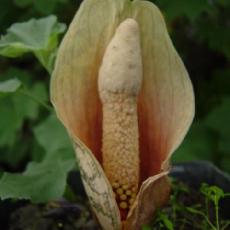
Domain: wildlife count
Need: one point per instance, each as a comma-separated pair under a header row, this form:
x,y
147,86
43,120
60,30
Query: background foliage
x,y
34,145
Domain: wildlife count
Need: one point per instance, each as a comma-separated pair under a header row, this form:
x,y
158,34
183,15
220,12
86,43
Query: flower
x,y
125,97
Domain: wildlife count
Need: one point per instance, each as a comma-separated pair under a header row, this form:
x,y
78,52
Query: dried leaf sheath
x,y
98,188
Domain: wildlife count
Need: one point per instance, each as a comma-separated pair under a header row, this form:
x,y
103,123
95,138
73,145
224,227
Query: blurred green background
x,y
30,132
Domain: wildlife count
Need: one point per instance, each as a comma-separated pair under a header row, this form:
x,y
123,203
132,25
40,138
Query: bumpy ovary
x,y
119,83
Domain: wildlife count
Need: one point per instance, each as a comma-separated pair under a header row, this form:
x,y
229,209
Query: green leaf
x,y
41,182
26,106
194,211
224,146
198,144
15,108
52,136
146,227
9,86
216,35
22,75
45,6
218,119
10,123
220,82
191,9
39,36
23,146
50,175
213,193
62,1
224,2
22,3
167,222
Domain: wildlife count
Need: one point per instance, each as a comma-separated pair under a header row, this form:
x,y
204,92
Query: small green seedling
x,y
184,212
212,195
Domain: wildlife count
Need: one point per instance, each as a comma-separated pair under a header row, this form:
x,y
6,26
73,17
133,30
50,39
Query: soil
x,y
65,215
52,216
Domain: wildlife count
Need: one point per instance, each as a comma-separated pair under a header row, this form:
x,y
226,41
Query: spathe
x,y
165,103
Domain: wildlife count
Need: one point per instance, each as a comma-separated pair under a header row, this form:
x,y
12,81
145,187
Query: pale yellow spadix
x,y
119,83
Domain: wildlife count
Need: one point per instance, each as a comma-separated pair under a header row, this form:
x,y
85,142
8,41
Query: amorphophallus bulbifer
x,y
125,97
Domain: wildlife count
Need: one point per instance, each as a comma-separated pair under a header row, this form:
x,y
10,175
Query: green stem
x,y
206,205
226,225
32,97
204,216
217,213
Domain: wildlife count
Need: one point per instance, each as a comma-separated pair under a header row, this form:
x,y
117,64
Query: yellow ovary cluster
x,y
125,195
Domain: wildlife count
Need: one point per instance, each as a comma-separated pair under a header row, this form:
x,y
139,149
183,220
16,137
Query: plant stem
x,y
217,213
226,225
205,217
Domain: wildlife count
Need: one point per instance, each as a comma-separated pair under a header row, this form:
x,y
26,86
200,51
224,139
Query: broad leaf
x,y
52,136
39,36
22,3
198,145
28,103
218,119
190,9
10,123
216,35
40,182
18,104
44,6
9,86
50,175
224,2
